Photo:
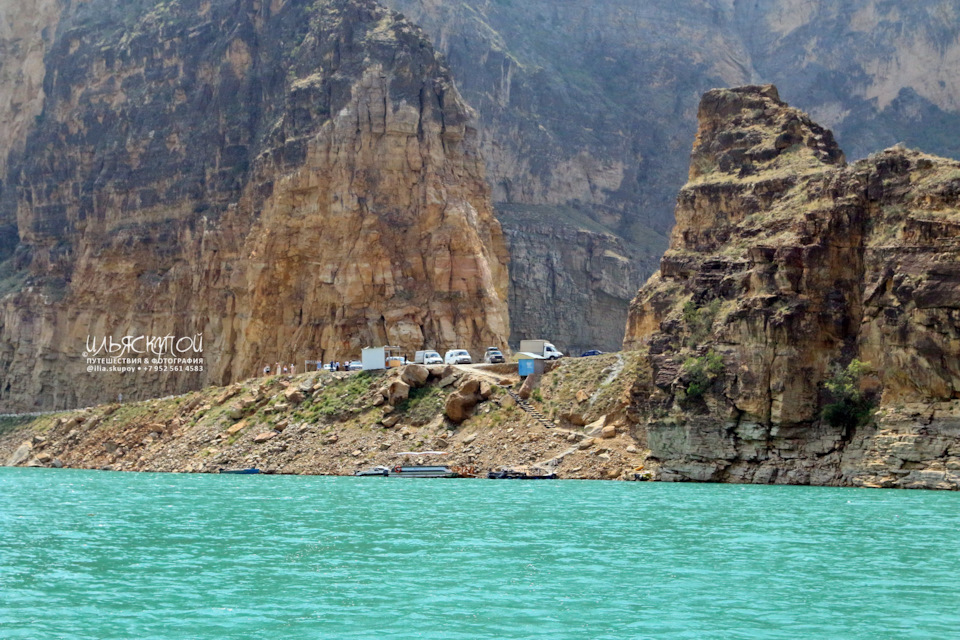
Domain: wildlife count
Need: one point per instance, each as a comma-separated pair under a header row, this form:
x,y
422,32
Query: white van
x,y
457,356
427,357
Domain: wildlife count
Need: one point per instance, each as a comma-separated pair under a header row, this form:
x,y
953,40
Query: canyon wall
x,y
785,265
289,181
590,107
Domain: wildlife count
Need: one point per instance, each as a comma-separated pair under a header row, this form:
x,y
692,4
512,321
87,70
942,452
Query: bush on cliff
x,y
700,373
851,407
699,321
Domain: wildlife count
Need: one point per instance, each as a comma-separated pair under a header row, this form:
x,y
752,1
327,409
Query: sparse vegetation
x,y
701,373
699,321
422,405
851,407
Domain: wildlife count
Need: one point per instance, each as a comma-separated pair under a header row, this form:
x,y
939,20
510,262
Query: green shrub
x,y
850,407
701,373
699,321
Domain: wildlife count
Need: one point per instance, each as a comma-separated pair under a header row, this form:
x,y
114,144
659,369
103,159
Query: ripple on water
x,y
108,555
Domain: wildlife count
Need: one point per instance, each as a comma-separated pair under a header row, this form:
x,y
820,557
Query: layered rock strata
x,y
289,181
786,264
590,107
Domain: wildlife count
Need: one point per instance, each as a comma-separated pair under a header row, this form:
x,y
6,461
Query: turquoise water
x,y
87,554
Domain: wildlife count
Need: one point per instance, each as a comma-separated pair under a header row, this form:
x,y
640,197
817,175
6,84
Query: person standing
x,y
266,370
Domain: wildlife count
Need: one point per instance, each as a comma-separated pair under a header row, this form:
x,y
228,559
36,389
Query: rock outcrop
x,y
785,265
589,107
289,181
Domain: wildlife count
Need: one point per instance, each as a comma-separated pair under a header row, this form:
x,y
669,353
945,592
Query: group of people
x,y
291,369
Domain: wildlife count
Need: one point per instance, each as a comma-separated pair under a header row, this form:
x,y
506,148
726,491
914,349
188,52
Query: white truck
x,y
541,348
427,357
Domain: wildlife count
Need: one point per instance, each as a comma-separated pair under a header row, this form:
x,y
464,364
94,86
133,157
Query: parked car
x,y
457,356
493,356
354,365
591,352
427,357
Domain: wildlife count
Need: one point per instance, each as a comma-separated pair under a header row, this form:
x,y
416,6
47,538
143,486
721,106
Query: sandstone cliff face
x,y
26,28
592,105
573,278
783,264
291,181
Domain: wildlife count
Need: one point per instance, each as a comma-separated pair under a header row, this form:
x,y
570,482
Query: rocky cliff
x,y
786,265
590,107
287,180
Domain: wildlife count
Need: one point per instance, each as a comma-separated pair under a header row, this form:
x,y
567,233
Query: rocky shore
x,y
571,423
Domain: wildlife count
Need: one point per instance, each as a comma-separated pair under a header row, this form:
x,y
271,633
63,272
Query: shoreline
x,y
576,421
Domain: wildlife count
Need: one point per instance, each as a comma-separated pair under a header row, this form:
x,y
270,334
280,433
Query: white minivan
x,y
427,357
457,356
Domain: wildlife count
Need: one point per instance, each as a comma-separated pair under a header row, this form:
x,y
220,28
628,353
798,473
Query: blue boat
x,y
241,471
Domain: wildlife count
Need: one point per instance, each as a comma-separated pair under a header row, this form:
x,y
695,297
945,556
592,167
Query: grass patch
x,y
342,397
422,405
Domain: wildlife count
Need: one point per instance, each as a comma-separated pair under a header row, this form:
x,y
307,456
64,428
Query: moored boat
x,y
510,474
419,471
248,471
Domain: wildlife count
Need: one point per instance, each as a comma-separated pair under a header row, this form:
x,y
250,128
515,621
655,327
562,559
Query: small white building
x,y
374,358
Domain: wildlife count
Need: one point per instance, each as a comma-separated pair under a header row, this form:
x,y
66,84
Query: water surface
x,y
87,554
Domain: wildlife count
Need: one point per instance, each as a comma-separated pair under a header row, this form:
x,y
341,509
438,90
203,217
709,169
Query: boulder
x,y
293,395
595,427
20,455
280,426
331,439
397,392
582,396
631,449
390,421
574,418
266,435
469,387
415,375
237,428
586,443
44,458
446,381
470,438
486,389
235,412
526,389
608,432
441,371
459,406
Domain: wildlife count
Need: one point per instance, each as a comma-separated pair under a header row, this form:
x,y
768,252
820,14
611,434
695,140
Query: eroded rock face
x,y
784,264
291,181
586,111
